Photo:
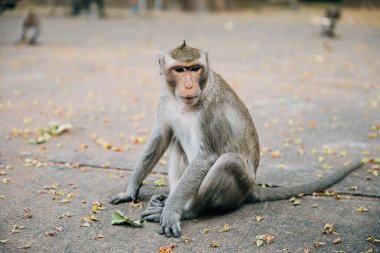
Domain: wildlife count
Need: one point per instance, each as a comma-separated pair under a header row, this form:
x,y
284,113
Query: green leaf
x,y
297,202
40,139
362,209
259,243
118,218
56,129
377,160
160,182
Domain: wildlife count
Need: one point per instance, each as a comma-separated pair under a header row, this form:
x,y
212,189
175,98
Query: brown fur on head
x,y
185,53
186,72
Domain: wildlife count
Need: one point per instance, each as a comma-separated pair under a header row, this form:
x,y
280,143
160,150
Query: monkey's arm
x,y
157,143
186,188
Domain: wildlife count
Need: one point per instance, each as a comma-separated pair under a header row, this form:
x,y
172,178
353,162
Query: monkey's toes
x,y
120,198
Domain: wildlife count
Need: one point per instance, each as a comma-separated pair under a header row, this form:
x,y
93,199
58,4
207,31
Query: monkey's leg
x,y
22,37
177,165
225,187
33,35
156,205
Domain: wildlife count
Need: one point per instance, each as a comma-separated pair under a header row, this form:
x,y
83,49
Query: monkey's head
x,y
186,72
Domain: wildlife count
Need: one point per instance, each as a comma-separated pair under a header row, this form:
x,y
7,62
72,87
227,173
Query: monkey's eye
x,y
179,70
195,69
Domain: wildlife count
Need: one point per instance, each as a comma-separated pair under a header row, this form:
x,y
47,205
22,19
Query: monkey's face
x,y
186,82
186,71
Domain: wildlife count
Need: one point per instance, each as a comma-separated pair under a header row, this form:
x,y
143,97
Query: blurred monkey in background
x,y
30,27
328,22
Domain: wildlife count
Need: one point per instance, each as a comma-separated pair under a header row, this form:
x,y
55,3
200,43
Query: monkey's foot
x,y
120,198
152,214
157,200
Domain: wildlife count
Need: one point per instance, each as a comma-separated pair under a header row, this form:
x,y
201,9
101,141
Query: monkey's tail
x,y
260,194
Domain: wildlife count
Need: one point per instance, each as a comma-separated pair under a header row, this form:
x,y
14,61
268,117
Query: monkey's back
x,y
228,122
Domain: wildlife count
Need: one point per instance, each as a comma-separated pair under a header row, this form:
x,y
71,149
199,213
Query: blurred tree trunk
x,y
218,5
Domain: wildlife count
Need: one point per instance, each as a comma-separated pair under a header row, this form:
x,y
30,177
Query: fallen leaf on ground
x,y
100,236
27,213
85,224
64,201
136,204
328,229
186,239
373,239
65,215
167,249
297,202
261,239
226,228
6,180
97,207
26,246
275,154
215,244
4,241
337,241
319,244
160,182
72,195
259,218
206,231
16,229
362,209
118,218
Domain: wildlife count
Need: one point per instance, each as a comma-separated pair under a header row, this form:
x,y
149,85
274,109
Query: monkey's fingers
x,y
152,210
171,231
176,230
153,217
120,198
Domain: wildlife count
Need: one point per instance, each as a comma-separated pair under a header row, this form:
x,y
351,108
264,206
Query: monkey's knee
x,y
227,183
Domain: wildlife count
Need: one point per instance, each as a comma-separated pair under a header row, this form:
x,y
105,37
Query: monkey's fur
x,y
214,147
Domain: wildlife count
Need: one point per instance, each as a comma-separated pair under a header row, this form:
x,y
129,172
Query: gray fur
x,y
214,156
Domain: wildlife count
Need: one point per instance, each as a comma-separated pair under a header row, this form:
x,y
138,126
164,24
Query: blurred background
x,y
308,71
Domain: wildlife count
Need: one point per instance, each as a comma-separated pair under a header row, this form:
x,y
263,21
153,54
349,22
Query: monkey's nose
x,y
189,86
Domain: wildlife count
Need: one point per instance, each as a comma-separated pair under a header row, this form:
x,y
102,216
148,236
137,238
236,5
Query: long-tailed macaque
x,y
214,147
30,27
328,22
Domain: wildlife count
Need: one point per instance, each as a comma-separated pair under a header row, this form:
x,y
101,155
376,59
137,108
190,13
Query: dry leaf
x,y
328,228
259,218
186,239
215,244
337,241
362,209
226,228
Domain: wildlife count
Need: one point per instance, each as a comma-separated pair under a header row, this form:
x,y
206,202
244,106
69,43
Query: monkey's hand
x,y
170,222
127,196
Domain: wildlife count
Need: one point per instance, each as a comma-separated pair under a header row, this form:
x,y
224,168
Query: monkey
x,y
30,27
214,147
328,22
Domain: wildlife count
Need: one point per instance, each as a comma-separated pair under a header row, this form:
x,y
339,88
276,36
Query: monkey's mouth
x,y
189,99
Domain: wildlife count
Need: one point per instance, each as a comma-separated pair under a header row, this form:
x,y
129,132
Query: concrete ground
x,y
315,102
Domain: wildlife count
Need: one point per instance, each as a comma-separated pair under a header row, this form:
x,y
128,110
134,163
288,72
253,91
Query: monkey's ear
x,y
161,62
206,55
